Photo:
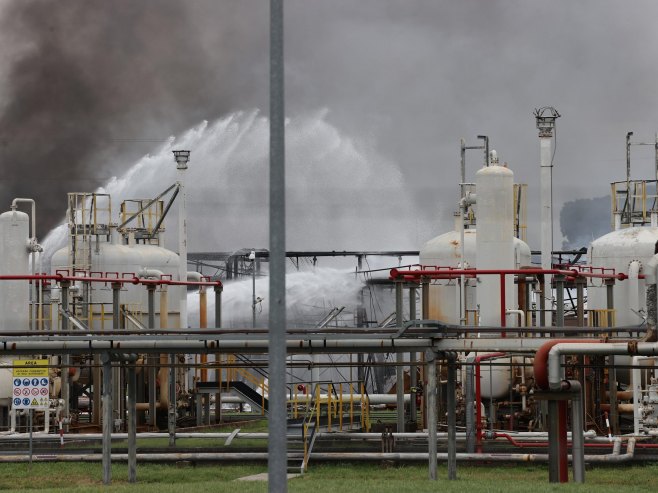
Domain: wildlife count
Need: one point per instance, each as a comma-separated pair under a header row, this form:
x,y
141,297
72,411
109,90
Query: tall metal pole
x,y
182,158
253,291
277,446
545,118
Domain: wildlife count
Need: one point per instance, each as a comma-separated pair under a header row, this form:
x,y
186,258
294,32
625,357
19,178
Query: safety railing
x,y
334,407
633,202
601,317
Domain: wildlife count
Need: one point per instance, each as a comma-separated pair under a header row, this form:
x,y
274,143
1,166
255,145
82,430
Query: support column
x,y
153,360
452,419
559,294
218,323
107,418
431,412
577,438
171,415
413,377
553,442
119,402
66,359
563,465
132,423
399,359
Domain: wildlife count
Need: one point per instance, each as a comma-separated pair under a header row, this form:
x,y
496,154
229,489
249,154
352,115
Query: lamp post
x,y
252,257
182,158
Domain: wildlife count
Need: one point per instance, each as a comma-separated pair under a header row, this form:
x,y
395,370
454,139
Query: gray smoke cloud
x,y
584,220
407,77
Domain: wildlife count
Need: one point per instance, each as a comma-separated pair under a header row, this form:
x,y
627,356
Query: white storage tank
x,y
14,295
495,239
14,259
445,251
109,258
627,251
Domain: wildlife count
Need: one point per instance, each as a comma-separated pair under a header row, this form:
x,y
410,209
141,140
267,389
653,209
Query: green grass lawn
x,y
321,478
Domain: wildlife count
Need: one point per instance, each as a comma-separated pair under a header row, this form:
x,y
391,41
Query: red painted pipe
x,y
121,280
478,397
563,451
540,365
450,273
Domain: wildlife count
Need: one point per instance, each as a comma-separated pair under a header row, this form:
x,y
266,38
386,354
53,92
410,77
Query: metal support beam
x,y
553,438
452,416
399,359
218,324
559,295
171,414
119,401
413,377
431,412
132,423
107,418
66,358
577,438
153,359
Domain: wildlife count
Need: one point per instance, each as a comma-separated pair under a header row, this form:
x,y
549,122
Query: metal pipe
x,y
320,456
469,392
478,396
628,168
563,471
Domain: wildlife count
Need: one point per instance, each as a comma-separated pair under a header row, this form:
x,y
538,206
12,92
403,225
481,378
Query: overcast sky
x,y
87,87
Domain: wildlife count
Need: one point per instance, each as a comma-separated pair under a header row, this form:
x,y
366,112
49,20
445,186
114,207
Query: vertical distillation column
x,y
182,158
545,124
495,239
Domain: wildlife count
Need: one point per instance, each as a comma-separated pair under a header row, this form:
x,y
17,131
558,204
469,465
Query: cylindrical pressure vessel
x,y
14,259
494,240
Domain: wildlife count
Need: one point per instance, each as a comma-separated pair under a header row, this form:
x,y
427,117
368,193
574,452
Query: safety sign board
x,y
31,384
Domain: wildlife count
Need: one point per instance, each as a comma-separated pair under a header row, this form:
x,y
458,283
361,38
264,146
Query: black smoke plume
x,y
88,83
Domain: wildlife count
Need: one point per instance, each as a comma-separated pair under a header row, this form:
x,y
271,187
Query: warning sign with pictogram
x,y
31,384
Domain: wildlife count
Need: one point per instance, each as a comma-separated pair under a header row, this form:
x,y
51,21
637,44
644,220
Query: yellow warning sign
x,y
30,368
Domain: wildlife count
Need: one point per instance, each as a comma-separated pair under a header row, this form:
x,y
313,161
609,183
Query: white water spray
x,y
340,195
309,296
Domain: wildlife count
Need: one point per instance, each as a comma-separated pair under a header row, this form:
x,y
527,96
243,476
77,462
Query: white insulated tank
x,y
626,251
14,295
495,240
445,251
110,258
14,259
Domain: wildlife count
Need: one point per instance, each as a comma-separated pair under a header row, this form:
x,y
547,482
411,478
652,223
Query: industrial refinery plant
x,y
474,348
